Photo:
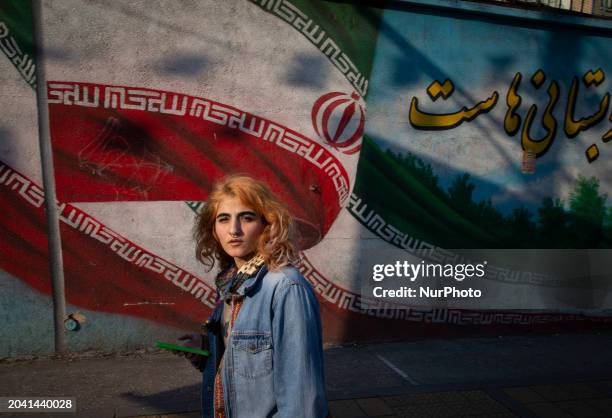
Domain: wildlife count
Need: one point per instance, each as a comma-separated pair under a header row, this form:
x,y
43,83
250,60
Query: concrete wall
x,y
151,102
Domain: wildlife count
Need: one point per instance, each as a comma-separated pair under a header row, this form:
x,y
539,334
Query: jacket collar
x,y
246,287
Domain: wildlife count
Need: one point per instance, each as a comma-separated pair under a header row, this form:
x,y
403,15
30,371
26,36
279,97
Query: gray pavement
x,y
529,376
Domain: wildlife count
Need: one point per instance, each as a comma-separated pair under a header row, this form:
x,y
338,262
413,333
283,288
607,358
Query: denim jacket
x,y
273,365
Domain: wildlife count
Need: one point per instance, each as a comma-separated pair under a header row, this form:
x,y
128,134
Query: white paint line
x,y
397,370
148,303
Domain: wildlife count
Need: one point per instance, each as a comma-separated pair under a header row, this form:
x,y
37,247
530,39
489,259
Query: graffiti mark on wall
x,y
110,151
319,38
24,63
512,120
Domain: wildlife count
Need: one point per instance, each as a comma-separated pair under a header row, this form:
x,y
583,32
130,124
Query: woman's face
x,y
237,229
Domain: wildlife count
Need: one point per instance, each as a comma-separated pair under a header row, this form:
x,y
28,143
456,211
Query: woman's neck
x,y
241,261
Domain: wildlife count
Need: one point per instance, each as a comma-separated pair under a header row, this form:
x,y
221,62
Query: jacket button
x,y
252,347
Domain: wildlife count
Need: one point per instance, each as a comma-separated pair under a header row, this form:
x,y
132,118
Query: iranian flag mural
x,y
335,106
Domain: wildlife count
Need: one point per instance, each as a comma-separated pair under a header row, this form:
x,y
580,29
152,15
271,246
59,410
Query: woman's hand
x,y
193,341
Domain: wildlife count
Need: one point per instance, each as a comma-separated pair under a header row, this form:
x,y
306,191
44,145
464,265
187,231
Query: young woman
x,y
264,335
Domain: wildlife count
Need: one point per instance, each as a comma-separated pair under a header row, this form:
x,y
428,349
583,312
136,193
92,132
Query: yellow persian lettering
x,y
429,121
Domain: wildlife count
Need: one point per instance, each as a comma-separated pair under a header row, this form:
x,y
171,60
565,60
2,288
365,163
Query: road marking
x,y
396,370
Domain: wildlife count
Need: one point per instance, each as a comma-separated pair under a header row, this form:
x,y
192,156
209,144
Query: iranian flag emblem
x,y
338,118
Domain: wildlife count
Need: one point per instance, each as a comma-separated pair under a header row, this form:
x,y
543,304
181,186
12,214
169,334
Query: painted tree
x,y
587,213
460,193
552,223
608,228
522,226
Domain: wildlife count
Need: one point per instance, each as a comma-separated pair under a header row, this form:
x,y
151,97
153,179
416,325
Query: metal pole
x,y
56,263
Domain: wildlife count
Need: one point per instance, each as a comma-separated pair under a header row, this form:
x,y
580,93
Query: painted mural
x,y
398,132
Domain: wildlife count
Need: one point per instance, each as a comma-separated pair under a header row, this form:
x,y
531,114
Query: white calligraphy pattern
x,y
24,63
300,21
29,191
113,97
127,250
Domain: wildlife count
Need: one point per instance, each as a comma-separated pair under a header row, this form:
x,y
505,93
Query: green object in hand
x,y
174,347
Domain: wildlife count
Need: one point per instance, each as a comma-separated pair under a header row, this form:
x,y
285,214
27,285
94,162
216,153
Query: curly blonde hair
x,y
276,242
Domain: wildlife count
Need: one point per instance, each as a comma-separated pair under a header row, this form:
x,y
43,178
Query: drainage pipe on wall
x,y
56,263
